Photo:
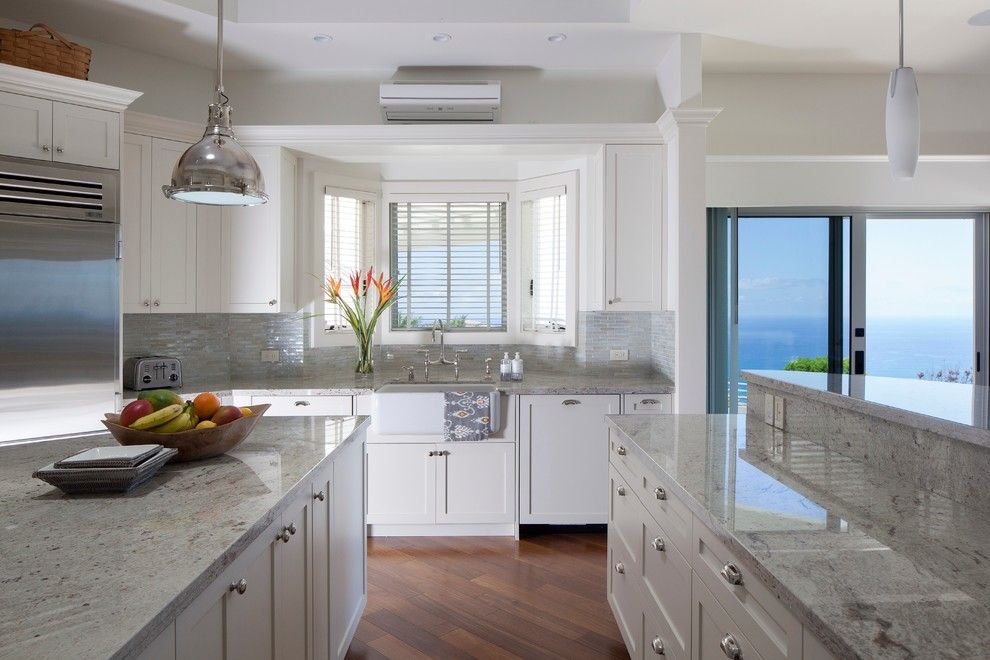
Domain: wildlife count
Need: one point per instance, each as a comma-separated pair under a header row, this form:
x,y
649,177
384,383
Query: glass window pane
x,y
345,223
544,263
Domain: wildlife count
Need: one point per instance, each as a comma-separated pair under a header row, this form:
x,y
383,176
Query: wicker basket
x,y
44,49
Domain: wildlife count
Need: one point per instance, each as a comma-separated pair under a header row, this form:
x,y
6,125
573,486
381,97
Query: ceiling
x,y
847,36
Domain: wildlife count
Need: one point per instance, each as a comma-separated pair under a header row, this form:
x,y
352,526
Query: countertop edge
x,y
140,640
888,413
823,631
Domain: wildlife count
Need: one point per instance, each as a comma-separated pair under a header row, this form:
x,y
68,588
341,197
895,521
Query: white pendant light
x,y
217,171
903,116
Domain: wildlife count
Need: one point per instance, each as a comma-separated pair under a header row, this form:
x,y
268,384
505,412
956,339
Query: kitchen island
x,y
129,575
791,548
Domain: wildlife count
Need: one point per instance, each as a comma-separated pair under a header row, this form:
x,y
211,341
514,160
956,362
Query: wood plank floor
x,y
473,597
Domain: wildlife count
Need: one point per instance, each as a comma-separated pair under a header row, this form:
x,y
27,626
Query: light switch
x,y
778,412
768,408
618,354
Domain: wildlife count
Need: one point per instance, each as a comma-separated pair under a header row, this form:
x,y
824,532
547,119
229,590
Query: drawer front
x,y
620,455
667,590
668,510
773,630
624,596
625,519
659,639
647,404
305,406
714,635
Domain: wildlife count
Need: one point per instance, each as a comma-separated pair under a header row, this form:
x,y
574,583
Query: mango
x,y
161,398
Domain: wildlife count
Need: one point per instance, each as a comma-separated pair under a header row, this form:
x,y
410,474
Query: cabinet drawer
x,y
659,639
668,510
666,591
646,404
625,519
773,630
624,596
714,634
288,406
620,455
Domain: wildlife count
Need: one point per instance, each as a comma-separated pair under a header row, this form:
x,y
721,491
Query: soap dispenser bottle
x,y
505,368
517,367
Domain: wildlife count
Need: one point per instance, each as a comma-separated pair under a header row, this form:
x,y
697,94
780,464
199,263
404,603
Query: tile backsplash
x,y
215,346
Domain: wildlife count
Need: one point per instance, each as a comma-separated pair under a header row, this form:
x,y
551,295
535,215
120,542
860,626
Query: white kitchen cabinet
x,y
647,404
348,548
159,235
624,596
293,406
257,245
293,577
441,483
563,466
25,126
634,227
85,136
715,636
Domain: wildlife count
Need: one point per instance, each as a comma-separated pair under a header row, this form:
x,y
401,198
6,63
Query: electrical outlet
x,y
618,354
778,412
270,355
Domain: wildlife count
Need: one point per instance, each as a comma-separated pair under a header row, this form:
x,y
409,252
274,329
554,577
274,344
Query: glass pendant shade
x,y
903,123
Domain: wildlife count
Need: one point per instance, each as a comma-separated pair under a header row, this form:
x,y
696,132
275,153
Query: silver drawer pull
x,y
620,568
570,402
302,403
650,402
620,450
292,528
320,496
240,586
659,545
621,490
730,647
283,536
657,645
660,493
731,573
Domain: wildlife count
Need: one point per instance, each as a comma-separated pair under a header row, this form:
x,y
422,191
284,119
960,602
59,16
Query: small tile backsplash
x,y
229,345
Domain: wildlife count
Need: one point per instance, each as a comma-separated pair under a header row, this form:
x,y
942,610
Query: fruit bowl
x,y
194,444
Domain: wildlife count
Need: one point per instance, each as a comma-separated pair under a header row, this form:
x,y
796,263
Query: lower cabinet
x,y
448,482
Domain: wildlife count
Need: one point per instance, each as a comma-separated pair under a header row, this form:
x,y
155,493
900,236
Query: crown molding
x,y
674,118
162,127
28,82
864,158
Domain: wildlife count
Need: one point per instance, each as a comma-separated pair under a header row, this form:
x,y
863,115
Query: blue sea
x,y
899,347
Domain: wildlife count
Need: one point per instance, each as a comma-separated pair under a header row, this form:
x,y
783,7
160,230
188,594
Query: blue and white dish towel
x,y
466,416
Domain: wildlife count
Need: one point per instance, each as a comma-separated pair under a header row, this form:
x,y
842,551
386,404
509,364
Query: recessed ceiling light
x,y
442,37
322,38
981,19
556,37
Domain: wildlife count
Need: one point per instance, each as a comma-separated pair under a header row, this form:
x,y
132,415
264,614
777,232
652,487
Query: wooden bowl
x,y
194,444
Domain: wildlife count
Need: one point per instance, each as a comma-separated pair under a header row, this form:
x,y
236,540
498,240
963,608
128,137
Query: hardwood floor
x,y
472,597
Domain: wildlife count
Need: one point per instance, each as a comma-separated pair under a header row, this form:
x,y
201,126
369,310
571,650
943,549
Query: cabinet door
x,y
321,491
25,126
563,462
476,482
633,227
173,237
624,597
348,547
401,483
293,580
85,136
136,193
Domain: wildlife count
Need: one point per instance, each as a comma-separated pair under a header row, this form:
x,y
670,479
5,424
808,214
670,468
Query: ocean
x,y
899,347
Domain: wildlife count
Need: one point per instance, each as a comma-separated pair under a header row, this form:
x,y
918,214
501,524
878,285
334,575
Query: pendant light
x,y
903,116
217,170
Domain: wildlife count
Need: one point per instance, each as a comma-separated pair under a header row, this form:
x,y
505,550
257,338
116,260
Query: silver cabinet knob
x,y
272,302
320,496
620,568
158,303
621,490
240,586
432,453
292,528
620,450
302,403
283,536
730,647
731,573
570,402
657,645
59,149
147,303
659,545
660,493
45,148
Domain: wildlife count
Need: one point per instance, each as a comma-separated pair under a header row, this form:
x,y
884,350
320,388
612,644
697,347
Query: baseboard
x,y
534,530
498,529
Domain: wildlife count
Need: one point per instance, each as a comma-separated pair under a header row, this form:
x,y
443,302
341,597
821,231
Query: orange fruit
x,y
247,411
206,405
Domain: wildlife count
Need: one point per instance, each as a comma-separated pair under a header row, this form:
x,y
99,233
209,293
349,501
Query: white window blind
x,y
345,223
451,256
545,240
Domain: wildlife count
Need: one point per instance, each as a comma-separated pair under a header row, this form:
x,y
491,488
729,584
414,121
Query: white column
x,y
686,273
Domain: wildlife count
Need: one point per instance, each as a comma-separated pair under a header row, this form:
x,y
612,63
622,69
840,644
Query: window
x,y
544,261
346,239
451,256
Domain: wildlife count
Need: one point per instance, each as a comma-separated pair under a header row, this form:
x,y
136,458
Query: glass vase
x,y
365,361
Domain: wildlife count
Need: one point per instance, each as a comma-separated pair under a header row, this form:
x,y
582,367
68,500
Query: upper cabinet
x,y
634,227
257,247
25,126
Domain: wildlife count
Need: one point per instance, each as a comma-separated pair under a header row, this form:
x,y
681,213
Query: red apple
x,y
134,411
226,414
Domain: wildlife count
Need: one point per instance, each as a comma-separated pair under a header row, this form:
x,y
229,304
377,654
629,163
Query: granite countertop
x,y
97,576
574,381
957,410
875,567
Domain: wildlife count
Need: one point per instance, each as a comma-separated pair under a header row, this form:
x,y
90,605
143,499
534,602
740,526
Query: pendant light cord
x,y
900,36
222,98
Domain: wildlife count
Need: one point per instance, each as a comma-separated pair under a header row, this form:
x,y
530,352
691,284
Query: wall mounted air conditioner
x,y
435,102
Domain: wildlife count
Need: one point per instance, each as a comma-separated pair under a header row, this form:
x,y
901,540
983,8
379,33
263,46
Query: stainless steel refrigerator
x,y
59,298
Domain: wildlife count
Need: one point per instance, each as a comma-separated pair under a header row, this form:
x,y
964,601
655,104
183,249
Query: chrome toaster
x,y
148,373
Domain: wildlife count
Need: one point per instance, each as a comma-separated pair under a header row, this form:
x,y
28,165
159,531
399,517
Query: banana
x,y
183,422
157,418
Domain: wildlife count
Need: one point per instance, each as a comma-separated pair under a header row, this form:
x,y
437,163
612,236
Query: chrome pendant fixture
x,y
217,170
903,116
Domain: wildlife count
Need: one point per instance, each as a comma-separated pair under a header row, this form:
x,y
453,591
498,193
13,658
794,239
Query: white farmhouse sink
x,y
417,408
